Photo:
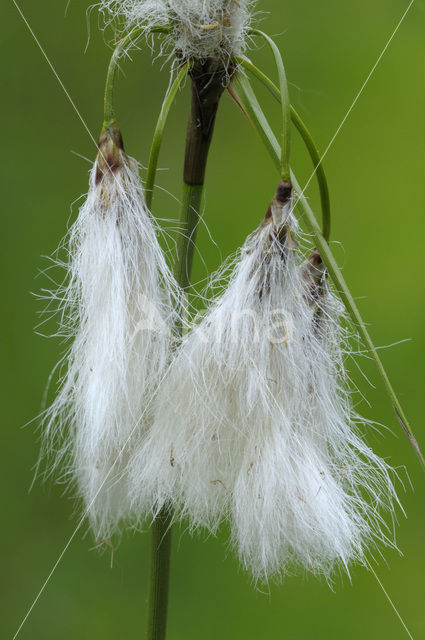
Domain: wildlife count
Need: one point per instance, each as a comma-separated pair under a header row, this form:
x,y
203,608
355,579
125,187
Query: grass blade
x,y
159,133
307,139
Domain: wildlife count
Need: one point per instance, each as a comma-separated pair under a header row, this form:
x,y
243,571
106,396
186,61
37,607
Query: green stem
x,y
246,96
285,167
207,87
159,575
161,527
131,38
308,141
191,202
159,133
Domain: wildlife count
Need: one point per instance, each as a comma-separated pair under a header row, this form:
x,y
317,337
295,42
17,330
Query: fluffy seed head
x,y
117,306
254,421
200,28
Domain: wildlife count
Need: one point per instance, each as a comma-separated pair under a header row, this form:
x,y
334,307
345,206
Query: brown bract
x,y
111,152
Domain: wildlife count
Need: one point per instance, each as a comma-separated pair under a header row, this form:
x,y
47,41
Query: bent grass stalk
x,y
307,139
159,132
248,100
284,101
130,38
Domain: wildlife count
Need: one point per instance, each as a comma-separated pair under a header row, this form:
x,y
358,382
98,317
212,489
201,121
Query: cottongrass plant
x,y
199,28
254,421
248,418
117,305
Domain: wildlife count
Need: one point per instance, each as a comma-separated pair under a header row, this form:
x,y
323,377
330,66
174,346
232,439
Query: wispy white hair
x,y
117,305
254,421
200,28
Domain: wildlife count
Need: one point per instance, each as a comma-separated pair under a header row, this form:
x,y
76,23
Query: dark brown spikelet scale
x,y
283,192
282,197
281,240
110,155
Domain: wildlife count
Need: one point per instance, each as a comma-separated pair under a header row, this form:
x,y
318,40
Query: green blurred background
x,y
375,168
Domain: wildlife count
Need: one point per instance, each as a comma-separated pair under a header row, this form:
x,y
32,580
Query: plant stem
x,y
207,87
191,202
159,575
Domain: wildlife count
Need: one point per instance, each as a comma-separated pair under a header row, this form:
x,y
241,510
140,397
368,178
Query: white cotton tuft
x,y
200,28
117,306
254,420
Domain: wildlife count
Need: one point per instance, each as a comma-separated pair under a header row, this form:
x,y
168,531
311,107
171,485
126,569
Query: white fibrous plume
x,y
200,28
116,304
254,421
